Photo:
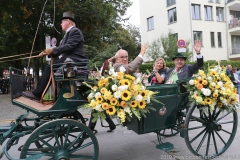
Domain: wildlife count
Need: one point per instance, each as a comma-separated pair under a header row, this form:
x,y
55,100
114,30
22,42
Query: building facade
x,y
214,22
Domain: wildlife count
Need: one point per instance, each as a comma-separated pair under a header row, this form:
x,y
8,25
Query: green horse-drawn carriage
x,y
59,130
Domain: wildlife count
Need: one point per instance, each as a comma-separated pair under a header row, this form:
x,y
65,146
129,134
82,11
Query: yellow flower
x,y
127,82
133,103
101,82
99,99
108,95
208,101
142,104
122,82
93,103
204,82
143,93
121,113
200,81
213,73
126,95
123,104
105,106
220,104
120,75
113,101
199,99
215,95
111,110
128,76
103,90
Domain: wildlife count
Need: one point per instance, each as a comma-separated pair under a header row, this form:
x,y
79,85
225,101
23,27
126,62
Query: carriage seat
x,y
70,71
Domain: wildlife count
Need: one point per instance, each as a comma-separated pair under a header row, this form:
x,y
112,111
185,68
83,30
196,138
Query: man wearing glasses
x,y
121,58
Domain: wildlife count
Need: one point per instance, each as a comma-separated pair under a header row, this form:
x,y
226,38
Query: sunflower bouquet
x,y
119,95
213,89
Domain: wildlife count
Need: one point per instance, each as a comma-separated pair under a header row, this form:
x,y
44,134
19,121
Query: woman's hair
x,y
161,59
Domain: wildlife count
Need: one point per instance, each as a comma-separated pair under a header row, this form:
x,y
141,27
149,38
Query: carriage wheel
x,y
209,134
62,139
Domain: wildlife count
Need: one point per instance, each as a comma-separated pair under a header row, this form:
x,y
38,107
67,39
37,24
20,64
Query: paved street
x,y
124,144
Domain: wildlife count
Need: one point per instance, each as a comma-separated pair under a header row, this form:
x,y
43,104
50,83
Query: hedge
x,y
149,65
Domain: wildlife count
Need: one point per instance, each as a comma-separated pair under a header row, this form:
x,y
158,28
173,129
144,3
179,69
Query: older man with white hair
x,y
121,60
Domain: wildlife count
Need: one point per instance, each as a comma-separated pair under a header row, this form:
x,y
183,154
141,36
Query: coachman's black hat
x,y
179,55
68,15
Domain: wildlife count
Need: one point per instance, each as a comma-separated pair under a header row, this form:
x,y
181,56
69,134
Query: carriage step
x,y
165,146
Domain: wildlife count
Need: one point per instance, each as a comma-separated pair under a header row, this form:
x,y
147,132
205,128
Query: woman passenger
x,y
159,71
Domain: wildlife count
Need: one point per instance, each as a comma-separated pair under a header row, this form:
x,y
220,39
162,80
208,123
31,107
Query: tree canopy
x,y
101,23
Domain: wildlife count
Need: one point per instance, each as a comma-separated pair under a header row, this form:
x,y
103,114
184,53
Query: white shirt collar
x,y
69,29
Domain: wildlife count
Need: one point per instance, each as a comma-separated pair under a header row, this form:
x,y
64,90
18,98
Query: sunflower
x,y
207,100
101,82
126,95
128,76
99,99
111,110
127,82
133,103
142,104
213,73
122,82
105,106
113,101
200,81
143,93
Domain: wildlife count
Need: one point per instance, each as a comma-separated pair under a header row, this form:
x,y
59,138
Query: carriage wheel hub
x,y
62,155
215,126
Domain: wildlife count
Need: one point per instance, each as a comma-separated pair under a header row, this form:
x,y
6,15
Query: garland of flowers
x,y
213,89
119,95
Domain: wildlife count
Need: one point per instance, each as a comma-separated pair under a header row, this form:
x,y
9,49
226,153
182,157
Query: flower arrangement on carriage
x,y
213,89
119,95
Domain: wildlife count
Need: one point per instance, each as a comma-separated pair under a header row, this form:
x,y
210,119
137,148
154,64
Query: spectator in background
x,y
238,73
237,81
229,73
1,84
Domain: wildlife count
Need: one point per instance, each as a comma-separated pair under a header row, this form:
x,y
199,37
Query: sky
x,y
134,12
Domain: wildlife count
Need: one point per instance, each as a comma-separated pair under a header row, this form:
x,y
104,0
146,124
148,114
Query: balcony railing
x,y
235,51
232,1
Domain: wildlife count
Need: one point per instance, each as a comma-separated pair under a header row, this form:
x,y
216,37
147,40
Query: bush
x,y
149,66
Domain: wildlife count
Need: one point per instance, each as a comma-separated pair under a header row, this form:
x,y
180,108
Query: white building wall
x,y
185,25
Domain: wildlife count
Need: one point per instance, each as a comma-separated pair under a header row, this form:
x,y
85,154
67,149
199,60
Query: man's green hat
x,y
179,55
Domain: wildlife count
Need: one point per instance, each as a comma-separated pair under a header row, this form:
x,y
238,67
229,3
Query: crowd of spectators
x,y
4,85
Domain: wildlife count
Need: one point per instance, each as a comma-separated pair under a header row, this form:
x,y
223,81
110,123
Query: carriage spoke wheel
x,y
61,140
209,134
